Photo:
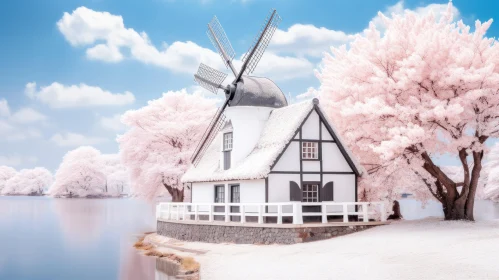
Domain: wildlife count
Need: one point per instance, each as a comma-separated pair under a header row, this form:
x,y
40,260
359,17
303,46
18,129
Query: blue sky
x,y
69,68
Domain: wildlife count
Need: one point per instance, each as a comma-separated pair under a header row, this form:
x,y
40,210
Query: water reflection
x,y
81,220
134,265
47,238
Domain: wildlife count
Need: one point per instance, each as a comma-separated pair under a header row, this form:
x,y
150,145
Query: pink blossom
x,y
161,139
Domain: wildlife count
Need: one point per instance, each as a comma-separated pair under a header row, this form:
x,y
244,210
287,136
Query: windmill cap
x,y
316,101
258,91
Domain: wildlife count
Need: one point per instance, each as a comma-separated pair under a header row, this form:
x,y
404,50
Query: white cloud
x,y
277,67
307,39
105,53
73,139
27,115
85,27
11,133
112,123
10,128
399,9
10,160
4,108
16,160
310,93
58,95
107,38
30,89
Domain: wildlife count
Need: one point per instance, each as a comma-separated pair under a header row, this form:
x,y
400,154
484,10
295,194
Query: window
x,y
228,141
220,194
310,150
310,193
234,196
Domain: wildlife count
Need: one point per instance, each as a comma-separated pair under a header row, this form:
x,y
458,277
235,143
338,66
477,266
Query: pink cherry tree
x,y
80,174
6,172
29,182
491,190
117,177
160,141
418,89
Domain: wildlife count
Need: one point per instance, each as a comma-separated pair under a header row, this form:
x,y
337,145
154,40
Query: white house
x,y
265,154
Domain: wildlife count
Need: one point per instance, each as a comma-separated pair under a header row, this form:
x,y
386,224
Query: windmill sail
x,y
262,40
220,41
211,132
209,78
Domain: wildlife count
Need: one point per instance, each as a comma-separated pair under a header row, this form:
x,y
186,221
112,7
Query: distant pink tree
x,y
160,141
117,176
491,169
6,173
417,90
29,182
80,174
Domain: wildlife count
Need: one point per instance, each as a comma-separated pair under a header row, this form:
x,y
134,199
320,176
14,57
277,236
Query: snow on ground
x,y
420,249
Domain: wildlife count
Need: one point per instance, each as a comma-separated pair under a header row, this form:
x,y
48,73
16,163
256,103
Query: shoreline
x,y
179,264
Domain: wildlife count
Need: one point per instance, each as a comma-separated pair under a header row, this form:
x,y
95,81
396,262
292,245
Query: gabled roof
x,y
281,127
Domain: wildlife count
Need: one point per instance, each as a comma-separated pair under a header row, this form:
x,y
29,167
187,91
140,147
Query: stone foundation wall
x,y
250,234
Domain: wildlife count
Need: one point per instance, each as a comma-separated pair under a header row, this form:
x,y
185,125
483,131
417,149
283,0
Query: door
x,y
310,193
235,198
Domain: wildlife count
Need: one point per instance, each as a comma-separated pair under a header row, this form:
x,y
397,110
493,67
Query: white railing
x,y
365,211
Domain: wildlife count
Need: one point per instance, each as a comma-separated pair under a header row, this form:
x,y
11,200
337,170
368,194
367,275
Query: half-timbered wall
x,y
330,167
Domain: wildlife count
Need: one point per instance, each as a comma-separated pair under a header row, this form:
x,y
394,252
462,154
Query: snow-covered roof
x,y
279,129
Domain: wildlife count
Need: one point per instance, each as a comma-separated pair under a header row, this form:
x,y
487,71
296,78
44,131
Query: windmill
x,y
244,89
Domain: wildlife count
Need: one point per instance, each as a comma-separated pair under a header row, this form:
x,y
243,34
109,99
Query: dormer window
x,y
227,148
228,141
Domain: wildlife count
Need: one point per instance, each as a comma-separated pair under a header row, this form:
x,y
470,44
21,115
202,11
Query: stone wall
x,y
251,234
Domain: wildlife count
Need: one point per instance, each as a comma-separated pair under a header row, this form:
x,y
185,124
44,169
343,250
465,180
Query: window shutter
x,y
327,193
226,160
294,191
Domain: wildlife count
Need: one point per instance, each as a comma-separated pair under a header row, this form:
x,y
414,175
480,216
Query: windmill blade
x,y
219,39
262,40
211,132
209,78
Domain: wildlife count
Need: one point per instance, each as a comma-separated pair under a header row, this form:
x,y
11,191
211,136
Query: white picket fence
x,y
366,211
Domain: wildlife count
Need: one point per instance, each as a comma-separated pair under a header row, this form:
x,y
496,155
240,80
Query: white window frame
x,y
310,192
227,141
310,150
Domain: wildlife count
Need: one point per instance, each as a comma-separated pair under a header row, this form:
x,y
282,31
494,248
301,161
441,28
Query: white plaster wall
x,y
247,123
333,159
310,129
203,193
325,133
251,191
279,189
311,166
344,189
290,159
311,177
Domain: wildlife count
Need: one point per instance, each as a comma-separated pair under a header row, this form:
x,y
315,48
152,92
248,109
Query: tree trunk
x,y
457,205
177,194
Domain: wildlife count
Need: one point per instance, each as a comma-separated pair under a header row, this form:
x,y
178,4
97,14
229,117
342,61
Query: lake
x,y
47,238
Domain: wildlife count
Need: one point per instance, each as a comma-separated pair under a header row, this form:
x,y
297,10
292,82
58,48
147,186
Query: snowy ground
x,y
421,249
